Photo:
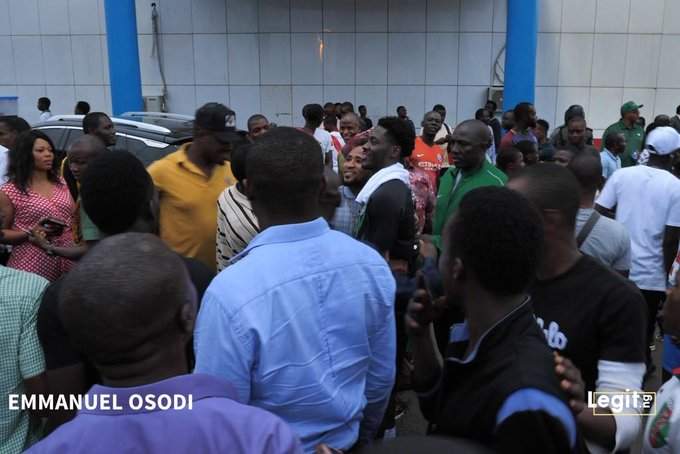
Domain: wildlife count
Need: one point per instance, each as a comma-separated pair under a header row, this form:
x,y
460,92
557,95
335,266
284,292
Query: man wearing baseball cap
x,y
627,125
190,180
646,199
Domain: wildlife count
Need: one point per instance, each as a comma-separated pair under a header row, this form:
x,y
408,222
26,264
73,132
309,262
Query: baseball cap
x,y
663,141
630,106
217,118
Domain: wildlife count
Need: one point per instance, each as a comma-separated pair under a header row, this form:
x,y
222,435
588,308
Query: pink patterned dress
x,y
29,209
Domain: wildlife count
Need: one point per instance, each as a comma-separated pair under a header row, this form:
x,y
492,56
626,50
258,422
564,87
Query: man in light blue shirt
x,y
614,147
302,323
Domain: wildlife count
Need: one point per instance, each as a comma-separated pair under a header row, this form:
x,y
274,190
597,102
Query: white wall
x,y
54,48
264,56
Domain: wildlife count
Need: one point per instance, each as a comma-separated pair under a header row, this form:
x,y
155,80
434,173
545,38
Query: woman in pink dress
x,y
35,199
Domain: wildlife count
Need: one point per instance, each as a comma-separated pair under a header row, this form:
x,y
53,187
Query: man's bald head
x,y
144,304
87,143
587,168
469,143
82,151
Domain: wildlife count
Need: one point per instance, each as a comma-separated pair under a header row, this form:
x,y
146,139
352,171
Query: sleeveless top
x,y
29,208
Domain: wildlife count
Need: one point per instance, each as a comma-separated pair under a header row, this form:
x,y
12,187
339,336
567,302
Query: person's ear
x,y
248,189
457,270
322,188
187,319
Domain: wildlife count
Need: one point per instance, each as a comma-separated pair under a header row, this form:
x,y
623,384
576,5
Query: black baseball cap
x,y
217,118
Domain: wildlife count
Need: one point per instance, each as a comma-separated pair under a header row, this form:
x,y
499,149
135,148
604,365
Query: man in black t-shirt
x,y
588,313
387,220
118,195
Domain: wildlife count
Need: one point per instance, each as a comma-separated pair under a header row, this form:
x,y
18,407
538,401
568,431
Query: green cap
x,y
630,106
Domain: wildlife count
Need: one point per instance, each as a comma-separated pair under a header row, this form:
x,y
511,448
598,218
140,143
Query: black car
x,y
148,136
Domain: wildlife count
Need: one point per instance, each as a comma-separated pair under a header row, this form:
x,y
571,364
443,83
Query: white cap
x,y
663,141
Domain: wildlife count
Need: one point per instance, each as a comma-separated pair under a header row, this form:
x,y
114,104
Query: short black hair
x,y
116,191
493,103
439,107
91,121
506,157
362,107
587,168
21,163
521,110
82,106
677,110
138,303
348,105
552,187
543,123
284,169
480,112
400,132
574,110
612,138
238,161
329,104
44,101
400,107
254,118
498,235
313,113
576,118
15,123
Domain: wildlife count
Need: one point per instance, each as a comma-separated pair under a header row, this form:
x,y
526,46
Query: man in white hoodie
x,y
387,219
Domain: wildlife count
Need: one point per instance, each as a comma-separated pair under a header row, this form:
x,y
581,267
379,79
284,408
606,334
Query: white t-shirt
x,y
647,199
46,115
662,434
324,138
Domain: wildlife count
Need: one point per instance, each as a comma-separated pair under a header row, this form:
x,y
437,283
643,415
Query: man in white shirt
x,y
44,108
444,131
646,199
313,115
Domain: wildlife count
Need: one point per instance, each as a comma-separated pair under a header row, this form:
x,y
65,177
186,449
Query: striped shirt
x,y
21,357
236,225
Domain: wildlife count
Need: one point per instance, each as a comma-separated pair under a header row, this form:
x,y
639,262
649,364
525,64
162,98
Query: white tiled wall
x,y
274,56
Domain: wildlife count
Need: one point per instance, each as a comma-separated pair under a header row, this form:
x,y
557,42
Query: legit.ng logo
x,y
625,403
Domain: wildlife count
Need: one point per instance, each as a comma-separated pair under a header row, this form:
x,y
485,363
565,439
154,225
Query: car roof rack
x,y
118,121
169,116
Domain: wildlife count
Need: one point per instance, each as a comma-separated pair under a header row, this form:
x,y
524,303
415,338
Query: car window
x,y
54,134
145,153
73,135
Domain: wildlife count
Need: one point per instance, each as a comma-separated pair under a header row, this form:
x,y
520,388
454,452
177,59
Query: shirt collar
x,y
611,155
198,386
347,193
460,332
286,233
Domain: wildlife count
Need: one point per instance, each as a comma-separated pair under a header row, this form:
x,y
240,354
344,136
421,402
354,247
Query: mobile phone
x,y
53,224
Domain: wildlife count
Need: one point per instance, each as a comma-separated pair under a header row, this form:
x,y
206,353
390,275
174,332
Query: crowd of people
x,y
291,281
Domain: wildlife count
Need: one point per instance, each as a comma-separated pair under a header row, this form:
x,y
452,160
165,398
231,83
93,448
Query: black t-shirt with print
x,y
589,314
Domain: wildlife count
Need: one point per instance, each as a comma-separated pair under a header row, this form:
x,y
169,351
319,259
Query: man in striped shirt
x,y
236,222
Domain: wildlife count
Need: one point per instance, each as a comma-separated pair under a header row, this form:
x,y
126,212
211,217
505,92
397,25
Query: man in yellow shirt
x,y
190,180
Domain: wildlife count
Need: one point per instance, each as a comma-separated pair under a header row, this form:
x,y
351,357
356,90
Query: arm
x,y
9,236
382,368
670,246
31,359
383,212
223,346
66,373
537,421
608,199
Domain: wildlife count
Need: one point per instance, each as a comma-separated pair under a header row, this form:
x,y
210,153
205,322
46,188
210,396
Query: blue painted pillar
x,y
125,76
520,52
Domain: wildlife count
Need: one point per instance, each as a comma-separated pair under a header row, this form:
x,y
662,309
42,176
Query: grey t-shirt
x,y
608,242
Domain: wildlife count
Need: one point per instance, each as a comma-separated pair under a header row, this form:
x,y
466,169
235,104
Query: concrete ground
x,y
413,423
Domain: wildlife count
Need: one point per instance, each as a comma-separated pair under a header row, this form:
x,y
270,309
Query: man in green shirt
x,y
468,146
627,125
